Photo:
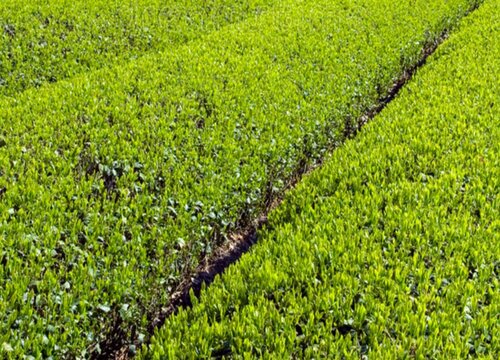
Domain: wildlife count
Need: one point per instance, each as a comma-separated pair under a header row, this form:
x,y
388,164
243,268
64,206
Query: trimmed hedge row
x,y
114,184
45,41
391,249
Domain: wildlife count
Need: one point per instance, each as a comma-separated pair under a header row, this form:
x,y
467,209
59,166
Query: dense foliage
x,y
46,41
391,250
113,184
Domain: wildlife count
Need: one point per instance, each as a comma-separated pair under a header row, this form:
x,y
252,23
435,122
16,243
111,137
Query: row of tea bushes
x,y
45,41
116,183
392,249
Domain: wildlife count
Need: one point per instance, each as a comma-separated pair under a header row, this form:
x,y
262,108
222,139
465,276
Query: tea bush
x,y
391,249
46,41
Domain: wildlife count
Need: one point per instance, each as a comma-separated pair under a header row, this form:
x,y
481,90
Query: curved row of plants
x,y
391,249
114,184
44,42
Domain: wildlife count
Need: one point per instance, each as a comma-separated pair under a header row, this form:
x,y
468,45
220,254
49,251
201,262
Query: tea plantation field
x,y
392,249
44,41
138,137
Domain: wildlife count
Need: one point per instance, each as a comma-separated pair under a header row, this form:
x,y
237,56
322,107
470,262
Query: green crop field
x,y
138,138
391,250
47,41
